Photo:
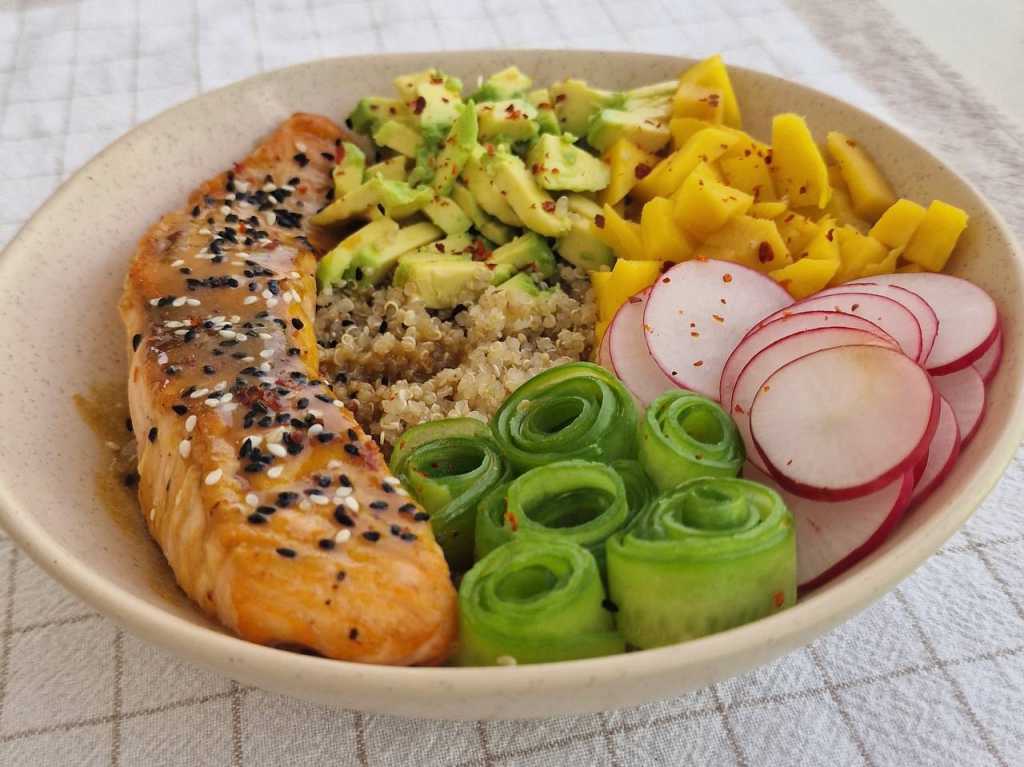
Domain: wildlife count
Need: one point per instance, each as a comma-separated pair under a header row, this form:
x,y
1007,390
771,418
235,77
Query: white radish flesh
x,y
890,315
630,359
833,536
844,422
764,336
779,354
968,321
921,309
964,390
942,454
989,362
696,313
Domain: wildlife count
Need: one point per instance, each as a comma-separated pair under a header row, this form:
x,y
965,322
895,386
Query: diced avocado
x,y
332,266
528,252
392,169
576,102
547,120
398,136
373,262
446,283
371,112
507,121
522,284
557,164
437,107
489,227
406,85
458,247
655,93
509,83
456,151
530,203
647,127
396,197
445,213
348,174
581,246
479,178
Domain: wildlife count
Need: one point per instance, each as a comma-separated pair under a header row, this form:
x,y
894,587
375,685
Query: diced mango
x,y
711,73
886,266
663,238
620,235
870,191
703,205
767,209
797,165
796,231
898,224
936,236
824,246
806,276
692,100
629,163
682,128
611,289
744,167
753,242
856,252
704,146
835,176
840,207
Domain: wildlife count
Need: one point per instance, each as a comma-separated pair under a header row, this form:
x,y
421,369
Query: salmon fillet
x,y
274,509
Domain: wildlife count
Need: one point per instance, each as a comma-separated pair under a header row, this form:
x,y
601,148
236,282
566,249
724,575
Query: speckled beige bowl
x,y
59,333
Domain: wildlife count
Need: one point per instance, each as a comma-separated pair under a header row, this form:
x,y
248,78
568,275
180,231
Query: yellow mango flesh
x,y
898,224
662,237
797,165
704,205
796,231
886,266
870,191
806,276
936,236
767,209
611,289
711,73
623,158
704,146
620,235
824,246
692,100
682,128
753,242
856,252
840,206
744,167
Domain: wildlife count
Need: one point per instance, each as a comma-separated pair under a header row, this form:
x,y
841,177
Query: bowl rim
x,y
229,654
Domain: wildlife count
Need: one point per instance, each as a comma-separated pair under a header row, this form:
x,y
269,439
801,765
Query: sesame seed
x,y
372,536
267,354
252,500
352,503
185,448
162,358
190,423
213,477
152,434
325,543
275,472
277,449
286,553
250,300
342,536
319,500
315,429
343,492
199,393
256,519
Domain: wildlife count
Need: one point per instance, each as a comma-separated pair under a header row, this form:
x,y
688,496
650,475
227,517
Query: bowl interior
x,y
60,335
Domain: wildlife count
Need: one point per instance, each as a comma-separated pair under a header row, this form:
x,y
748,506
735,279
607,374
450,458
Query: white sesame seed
x,y
334,463
199,393
265,336
154,301
213,477
227,334
315,429
218,318
242,186
267,294
271,217
300,146
271,303
265,367
252,499
338,403
267,354
221,386
229,408
204,230
343,492
275,471
162,358
181,332
256,440
319,500
250,300
229,196
190,423
352,503
177,263
268,187
289,187
152,514
296,297
227,398
235,318
211,402
184,448
295,275
248,359
392,480
342,536
225,209
193,301
277,449
287,296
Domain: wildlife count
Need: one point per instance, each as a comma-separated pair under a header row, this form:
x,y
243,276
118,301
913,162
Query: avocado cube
x,y
348,173
437,107
458,146
446,214
331,268
446,283
458,247
489,227
576,103
507,121
371,112
528,252
524,285
392,169
647,127
509,83
479,177
407,85
398,199
547,120
373,262
582,246
649,95
398,136
531,203
557,164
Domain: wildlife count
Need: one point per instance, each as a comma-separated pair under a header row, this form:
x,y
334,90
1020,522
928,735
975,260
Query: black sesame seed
x,y
301,159
386,487
253,468
372,536
286,553
341,378
325,543
378,504
136,340
344,481
327,156
152,434
302,403
297,323
323,481
352,449
383,327
209,369
342,517
421,516
407,536
195,211
340,576
395,530
352,435
325,437
286,499
268,510
179,409
256,519
407,508
294,351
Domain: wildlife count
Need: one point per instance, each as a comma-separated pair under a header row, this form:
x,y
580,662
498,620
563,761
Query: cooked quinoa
x,y
396,363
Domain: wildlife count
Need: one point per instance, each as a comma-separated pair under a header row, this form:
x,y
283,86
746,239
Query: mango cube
x,y
663,238
612,289
620,235
704,146
711,73
824,246
745,166
898,224
870,191
797,165
753,242
682,128
796,230
703,205
856,252
886,266
693,100
936,236
806,276
768,209
628,163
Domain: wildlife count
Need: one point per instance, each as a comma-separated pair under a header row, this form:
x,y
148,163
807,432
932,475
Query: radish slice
x,y
921,309
890,315
844,422
942,454
832,536
630,359
779,354
698,311
968,322
764,336
965,392
988,363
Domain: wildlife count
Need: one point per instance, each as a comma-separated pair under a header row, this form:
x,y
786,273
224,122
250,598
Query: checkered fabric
x,y
931,675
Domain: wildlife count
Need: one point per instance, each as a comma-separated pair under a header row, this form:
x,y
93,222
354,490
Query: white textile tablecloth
x,y
931,675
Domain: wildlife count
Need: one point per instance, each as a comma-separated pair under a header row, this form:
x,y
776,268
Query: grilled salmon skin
x,y
274,509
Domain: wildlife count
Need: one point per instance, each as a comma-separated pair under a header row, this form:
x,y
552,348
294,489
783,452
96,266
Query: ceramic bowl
x,y
60,334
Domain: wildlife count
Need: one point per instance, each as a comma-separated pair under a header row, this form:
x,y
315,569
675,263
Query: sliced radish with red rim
x,y
777,355
764,335
942,454
968,321
697,312
989,362
627,351
965,392
833,536
844,422
890,315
